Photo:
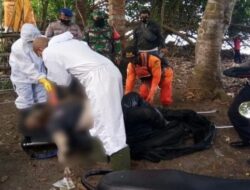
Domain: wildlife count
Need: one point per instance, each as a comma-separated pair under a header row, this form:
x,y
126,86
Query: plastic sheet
x,y
64,184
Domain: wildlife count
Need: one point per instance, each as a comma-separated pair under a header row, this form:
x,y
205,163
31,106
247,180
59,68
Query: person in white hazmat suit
x,y
103,85
28,74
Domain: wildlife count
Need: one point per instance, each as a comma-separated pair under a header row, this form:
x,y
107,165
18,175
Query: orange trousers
x,y
165,86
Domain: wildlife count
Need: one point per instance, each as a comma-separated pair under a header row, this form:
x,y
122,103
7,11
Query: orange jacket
x,y
153,66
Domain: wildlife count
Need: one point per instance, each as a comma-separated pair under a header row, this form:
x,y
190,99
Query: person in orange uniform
x,y
152,73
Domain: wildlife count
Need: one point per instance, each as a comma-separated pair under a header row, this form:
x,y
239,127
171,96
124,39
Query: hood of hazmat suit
x,y
29,32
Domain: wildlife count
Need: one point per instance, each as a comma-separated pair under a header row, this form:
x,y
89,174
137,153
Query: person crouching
x,y
152,73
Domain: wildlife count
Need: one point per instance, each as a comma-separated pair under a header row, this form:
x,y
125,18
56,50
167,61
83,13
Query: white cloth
x,y
102,82
26,67
57,72
61,38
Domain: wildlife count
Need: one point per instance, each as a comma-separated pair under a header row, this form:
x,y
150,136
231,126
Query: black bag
x,y
157,134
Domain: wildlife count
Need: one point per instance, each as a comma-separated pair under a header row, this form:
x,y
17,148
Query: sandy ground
x,y
19,172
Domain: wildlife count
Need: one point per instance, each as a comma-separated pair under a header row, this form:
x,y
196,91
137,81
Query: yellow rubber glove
x,y
52,96
46,84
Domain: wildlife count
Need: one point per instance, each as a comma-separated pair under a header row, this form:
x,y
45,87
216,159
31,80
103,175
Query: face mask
x,y
99,22
65,22
144,19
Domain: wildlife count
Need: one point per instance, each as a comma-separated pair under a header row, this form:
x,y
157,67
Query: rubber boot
x,y
121,160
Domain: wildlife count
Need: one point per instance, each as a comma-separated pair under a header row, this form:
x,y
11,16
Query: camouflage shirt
x,y
56,28
102,40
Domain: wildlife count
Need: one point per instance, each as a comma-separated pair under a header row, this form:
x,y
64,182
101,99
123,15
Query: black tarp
x,y
157,134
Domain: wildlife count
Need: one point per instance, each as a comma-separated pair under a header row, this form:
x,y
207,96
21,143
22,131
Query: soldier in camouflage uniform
x,y
102,38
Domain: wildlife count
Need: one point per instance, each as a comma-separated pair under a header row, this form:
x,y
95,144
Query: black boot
x,y
120,160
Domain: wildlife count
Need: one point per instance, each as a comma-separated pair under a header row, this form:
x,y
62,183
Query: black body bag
x,y
157,134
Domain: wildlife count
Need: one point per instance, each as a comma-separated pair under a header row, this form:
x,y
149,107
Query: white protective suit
x,y
26,69
102,82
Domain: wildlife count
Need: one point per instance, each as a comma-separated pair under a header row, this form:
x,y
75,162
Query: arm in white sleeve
x,y
30,68
55,71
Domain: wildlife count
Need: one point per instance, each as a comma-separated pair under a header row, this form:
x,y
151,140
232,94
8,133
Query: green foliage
x,y
53,8
182,15
179,14
134,7
5,83
185,15
241,16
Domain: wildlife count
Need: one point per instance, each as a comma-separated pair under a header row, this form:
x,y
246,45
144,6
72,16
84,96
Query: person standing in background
x,y
147,35
64,24
237,46
103,38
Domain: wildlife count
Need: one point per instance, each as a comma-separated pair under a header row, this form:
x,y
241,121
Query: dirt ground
x,y
19,172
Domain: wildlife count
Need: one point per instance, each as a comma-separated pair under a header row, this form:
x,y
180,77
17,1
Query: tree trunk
x,y
205,80
117,15
163,12
45,4
82,9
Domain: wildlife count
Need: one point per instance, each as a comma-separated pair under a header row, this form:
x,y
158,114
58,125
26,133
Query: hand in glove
x,y
52,96
46,84
150,97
